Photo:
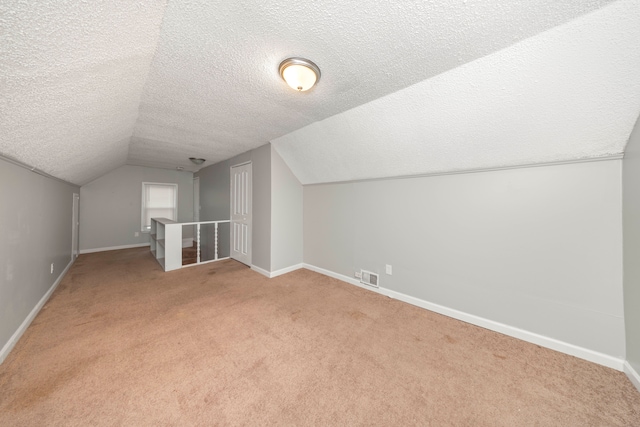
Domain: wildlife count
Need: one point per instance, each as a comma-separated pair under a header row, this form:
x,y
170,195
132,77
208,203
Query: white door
x,y
75,224
241,213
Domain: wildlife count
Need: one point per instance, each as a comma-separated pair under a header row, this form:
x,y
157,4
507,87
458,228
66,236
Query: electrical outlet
x,y
51,268
358,275
136,234
388,270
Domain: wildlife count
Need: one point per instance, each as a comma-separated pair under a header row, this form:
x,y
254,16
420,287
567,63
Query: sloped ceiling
x,y
71,77
572,92
407,86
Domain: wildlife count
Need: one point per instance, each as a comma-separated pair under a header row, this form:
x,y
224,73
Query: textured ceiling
x,y
572,92
71,76
214,90
90,85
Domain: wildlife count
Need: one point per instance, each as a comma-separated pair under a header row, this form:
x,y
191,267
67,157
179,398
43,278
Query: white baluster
x,y
216,230
198,243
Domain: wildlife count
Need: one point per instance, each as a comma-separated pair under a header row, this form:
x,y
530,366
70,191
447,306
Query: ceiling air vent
x,y
369,278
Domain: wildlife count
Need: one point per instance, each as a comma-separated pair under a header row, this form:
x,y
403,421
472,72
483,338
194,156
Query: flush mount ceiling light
x,y
196,161
299,73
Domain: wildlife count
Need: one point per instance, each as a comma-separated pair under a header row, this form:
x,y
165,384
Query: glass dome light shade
x,y
300,74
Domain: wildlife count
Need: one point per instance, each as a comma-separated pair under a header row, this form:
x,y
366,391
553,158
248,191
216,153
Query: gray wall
x,y
535,248
286,215
631,236
215,200
214,206
110,206
35,231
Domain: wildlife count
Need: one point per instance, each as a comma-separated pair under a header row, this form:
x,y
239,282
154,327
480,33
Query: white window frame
x,y
144,200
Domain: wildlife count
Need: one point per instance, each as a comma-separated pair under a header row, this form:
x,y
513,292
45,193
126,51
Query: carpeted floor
x,y
123,343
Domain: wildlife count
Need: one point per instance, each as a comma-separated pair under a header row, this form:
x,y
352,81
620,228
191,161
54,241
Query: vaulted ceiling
x,y
407,87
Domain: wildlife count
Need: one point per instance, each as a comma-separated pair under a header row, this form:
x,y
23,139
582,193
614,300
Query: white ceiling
x,y
572,92
89,86
71,77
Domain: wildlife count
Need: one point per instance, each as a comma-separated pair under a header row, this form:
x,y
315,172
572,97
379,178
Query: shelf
x,y
165,243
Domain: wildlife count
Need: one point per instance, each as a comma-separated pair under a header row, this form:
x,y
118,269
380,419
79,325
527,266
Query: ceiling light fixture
x,y
196,161
299,73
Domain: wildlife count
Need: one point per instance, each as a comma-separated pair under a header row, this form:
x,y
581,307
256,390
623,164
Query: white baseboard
x,y
286,270
261,271
32,315
632,374
541,340
272,274
187,242
342,277
113,248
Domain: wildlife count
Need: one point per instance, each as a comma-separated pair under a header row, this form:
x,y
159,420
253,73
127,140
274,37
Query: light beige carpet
x,y
123,343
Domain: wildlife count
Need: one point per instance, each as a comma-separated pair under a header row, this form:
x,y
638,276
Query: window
x,y
158,201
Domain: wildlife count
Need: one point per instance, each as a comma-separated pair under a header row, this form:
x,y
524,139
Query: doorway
x,y
241,210
75,225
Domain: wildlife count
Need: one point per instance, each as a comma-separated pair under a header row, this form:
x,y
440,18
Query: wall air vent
x,y
369,278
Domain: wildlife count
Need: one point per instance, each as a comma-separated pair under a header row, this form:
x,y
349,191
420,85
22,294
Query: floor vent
x,y
369,278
